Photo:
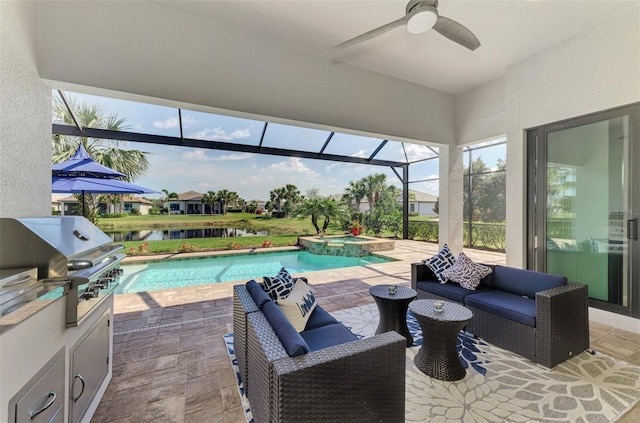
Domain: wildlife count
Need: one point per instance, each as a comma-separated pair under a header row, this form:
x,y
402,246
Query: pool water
x,y
167,274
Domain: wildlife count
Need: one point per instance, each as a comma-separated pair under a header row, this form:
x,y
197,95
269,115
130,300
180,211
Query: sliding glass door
x,y
583,205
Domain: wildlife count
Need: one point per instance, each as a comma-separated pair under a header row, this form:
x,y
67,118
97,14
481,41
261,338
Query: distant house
x,y
190,202
69,206
419,202
130,202
422,203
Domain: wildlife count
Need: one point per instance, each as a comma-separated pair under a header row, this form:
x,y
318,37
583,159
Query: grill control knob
x,y
103,283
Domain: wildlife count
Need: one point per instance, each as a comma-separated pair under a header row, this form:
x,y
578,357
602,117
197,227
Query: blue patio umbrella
x,y
81,174
82,165
80,185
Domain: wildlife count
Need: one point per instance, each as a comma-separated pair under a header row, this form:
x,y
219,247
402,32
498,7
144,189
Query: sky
x,y
253,176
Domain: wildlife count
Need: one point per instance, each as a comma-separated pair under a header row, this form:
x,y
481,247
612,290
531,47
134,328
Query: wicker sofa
x,y
339,378
538,316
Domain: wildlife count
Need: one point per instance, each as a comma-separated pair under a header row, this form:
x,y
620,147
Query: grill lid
x,y
55,245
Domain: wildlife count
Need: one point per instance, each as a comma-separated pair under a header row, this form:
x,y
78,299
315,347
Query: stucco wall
x,y
25,107
595,70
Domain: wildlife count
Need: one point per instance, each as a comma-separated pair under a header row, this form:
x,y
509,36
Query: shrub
x,y
186,248
426,231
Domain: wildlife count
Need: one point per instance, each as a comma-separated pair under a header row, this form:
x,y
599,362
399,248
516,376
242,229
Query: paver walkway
x,y
170,362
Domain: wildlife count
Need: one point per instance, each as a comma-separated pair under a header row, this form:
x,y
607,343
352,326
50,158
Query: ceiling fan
x,y
421,16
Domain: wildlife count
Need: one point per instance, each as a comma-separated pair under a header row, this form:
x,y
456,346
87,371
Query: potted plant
x,y
356,227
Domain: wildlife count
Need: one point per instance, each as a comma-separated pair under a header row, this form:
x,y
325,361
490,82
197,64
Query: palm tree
x,y
374,184
355,192
291,196
318,207
132,163
210,198
276,196
225,197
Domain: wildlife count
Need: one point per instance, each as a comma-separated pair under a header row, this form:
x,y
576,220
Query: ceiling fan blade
x,y
371,34
456,32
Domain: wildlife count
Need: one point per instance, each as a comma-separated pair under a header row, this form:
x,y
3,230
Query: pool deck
x,y
170,362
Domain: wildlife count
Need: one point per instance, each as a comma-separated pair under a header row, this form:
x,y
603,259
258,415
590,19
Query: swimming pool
x,y
167,274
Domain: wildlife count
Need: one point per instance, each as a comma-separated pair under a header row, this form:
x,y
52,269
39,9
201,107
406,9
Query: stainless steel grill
x,y
64,248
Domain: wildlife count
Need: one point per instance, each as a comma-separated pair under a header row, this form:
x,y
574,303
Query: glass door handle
x,y
632,229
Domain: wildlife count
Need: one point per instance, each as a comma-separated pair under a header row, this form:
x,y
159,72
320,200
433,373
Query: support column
x,y
451,198
405,202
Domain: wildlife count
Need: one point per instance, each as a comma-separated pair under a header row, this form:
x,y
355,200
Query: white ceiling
x,y
509,30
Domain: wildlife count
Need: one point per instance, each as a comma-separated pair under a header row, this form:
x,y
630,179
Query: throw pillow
x,y
441,262
299,305
467,273
280,285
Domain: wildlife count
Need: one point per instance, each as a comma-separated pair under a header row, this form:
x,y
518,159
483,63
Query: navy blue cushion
x,y
291,340
452,291
510,306
260,297
327,336
319,318
525,282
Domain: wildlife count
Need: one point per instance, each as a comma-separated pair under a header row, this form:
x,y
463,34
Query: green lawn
x,y
207,244
282,231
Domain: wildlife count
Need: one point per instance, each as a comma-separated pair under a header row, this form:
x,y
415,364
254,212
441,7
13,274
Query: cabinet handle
x,y
632,229
77,376
51,399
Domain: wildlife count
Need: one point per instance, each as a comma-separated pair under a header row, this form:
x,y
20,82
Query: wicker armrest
x,y
562,323
420,272
357,381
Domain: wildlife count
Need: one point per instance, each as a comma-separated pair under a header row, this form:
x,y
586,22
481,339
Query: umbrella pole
x,y
84,205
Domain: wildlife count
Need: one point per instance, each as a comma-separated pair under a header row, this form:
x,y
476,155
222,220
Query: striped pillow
x,y
441,262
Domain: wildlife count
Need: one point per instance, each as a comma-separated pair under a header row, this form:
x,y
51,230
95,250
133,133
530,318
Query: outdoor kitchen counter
x,y
52,292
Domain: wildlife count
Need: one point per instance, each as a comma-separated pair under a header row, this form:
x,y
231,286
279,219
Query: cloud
x,y
171,122
292,165
330,167
195,154
234,156
418,151
219,134
361,153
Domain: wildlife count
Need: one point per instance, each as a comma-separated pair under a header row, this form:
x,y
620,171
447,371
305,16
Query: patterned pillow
x,y
299,305
466,272
280,285
441,262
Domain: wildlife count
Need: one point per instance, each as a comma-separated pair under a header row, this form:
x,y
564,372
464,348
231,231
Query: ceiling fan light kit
x,y
421,16
421,19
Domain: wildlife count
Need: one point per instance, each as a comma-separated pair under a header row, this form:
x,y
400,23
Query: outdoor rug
x,y
501,386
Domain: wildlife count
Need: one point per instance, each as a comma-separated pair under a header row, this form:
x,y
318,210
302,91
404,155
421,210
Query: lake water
x,y
181,233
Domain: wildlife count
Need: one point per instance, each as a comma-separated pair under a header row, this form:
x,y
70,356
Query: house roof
x,y
190,196
422,196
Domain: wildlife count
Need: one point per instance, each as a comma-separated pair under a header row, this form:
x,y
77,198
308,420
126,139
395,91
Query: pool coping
x,y
239,252
200,254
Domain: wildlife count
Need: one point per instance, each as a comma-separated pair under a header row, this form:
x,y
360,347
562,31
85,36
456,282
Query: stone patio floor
x,y
171,365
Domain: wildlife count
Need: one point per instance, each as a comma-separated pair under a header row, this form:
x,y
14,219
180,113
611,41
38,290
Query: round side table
x,y
393,309
438,356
